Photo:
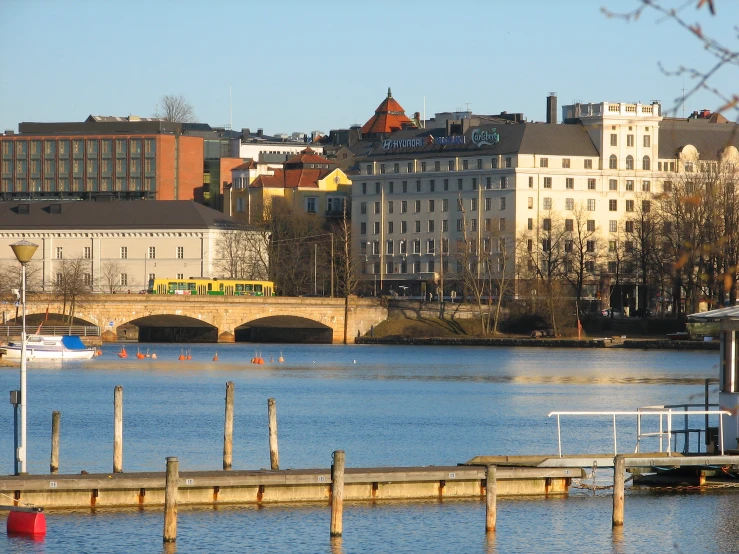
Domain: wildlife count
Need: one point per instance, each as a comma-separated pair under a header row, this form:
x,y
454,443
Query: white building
x,y
122,244
271,150
418,189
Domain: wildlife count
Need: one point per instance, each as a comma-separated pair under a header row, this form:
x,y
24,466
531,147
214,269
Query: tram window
x,y
258,289
210,286
220,286
191,286
239,287
249,288
172,286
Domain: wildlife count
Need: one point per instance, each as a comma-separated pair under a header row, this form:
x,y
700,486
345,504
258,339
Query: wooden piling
x,y
228,427
170,499
54,462
274,456
619,480
337,493
118,430
491,498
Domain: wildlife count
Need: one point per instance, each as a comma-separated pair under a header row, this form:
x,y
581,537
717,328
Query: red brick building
x,y
123,158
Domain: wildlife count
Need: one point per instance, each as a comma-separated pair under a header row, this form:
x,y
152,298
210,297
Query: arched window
x,y
613,162
629,162
645,163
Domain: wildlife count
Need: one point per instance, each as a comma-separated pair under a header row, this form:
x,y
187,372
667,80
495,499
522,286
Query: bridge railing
x,y
78,330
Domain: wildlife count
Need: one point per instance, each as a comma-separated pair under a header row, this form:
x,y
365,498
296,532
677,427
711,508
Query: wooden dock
x,y
118,490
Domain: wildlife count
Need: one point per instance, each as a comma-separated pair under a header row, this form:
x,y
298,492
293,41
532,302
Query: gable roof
x,y
389,117
137,214
292,178
308,156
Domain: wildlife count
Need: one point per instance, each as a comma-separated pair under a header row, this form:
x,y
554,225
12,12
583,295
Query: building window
x,y
570,183
502,203
591,204
377,188
588,164
531,202
152,276
87,252
501,225
390,207
667,186
479,164
417,226
124,279
569,204
613,226
432,205
390,227
590,246
547,182
446,184
612,184
614,139
647,141
646,164
543,162
416,246
645,186
416,206
396,168
59,253
530,224
405,186
444,225
465,164
382,168
629,226
629,205
612,205
124,252
629,140
423,166
629,162
566,163
437,166
509,162
629,185
459,225
87,279
418,185
432,186
646,205
363,228
473,204
389,247
546,224
504,182
431,226
445,205
410,167
152,252
376,227
569,225
612,161
547,203
180,252
369,169
363,208
376,207
494,163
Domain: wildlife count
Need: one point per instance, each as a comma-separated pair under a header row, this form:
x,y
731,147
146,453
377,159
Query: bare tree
x,y
582,251
175,108
346,275
110,276
74,281
11,277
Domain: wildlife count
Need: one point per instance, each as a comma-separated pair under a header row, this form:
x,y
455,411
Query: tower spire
x,y
389,93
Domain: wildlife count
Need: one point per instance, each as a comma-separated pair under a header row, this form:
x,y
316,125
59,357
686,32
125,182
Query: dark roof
x,y
514,138
708,138
141,214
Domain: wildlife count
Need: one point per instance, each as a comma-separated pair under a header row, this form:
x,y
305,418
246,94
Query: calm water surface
x,y
383,406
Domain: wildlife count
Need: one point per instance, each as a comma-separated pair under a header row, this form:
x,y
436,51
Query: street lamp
x,y
24,251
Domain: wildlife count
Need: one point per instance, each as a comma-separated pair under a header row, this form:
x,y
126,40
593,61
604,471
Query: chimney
x,y
245,132
552,108
260,133
9,132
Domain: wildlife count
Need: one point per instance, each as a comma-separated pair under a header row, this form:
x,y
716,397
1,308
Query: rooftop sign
x,y
388,144
485,138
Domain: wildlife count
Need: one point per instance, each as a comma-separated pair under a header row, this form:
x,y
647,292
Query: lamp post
x,y
24,251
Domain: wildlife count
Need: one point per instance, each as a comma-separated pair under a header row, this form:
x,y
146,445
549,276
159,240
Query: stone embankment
x,y
545,342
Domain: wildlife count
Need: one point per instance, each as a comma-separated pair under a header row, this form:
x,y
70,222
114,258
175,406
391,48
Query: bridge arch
x,y
284,328
168,328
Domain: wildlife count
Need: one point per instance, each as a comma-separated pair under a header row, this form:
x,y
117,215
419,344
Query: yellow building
x,y
307,184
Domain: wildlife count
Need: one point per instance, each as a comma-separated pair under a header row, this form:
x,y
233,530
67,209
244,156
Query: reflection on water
x,y
383,406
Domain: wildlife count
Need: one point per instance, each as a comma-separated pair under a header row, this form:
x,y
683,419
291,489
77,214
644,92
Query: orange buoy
x,y
139,355
260,360
99,352
182,356
280,359
215,358
122,353
188,357
153,356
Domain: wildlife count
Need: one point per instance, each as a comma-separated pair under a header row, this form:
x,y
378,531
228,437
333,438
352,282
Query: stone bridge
x,y
221,316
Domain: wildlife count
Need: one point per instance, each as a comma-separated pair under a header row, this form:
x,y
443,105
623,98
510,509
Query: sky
x,y
327,64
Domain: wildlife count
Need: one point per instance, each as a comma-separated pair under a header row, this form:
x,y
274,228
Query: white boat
x,y
49,347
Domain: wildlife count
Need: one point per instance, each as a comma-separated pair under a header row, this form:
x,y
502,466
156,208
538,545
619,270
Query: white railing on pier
x,y
79,330
661,411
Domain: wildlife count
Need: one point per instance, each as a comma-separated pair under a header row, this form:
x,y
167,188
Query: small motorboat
x,y
50,347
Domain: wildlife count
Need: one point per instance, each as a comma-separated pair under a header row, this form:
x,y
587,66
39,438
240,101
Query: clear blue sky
x,y
317,65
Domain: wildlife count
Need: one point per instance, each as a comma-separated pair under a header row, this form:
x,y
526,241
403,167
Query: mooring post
x,y
228,427
491,498
118,430
337,493
54,462
619,480
170,499
274,455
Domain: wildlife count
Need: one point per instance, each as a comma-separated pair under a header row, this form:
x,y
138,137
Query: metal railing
x,y
79,330
661,411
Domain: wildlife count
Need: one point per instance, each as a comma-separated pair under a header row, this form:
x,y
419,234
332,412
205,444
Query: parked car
x,y
609,311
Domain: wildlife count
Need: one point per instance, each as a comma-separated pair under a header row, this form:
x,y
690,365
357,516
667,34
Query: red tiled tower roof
x,y
389,117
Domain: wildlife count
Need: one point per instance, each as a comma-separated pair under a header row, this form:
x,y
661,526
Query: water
x,y
383,406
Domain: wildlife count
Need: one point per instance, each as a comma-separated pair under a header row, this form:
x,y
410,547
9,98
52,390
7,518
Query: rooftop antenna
x,y
230,110
467,106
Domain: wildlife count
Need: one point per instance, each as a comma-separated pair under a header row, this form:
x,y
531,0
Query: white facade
x,y
405,199
252,149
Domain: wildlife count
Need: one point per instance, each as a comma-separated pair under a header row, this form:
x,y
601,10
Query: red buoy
x,y
27,521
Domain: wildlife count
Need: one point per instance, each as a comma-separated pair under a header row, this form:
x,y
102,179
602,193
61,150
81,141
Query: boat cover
x,y
73,343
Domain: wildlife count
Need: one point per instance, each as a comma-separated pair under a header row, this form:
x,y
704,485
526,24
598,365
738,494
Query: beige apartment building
x,y
420,191
122,245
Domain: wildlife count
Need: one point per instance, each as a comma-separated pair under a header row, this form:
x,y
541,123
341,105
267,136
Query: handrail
x,y
639,413
79,330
